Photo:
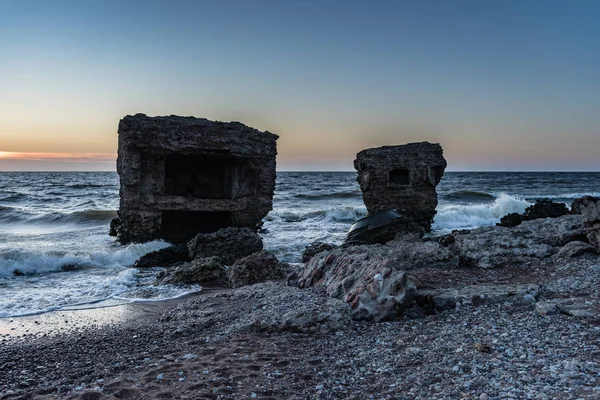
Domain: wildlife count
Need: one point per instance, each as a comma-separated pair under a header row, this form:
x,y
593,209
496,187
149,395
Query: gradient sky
x,y
502,85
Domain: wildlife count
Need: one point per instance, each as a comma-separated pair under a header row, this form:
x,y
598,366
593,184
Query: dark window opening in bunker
x,y
199,176
181,226
399,176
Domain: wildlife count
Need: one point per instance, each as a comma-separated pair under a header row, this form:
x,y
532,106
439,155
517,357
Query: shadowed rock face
x,y
183,175
402,178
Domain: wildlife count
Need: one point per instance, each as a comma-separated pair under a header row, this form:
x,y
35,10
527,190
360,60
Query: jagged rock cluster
x,y
402,178
484,265
543,208
231,257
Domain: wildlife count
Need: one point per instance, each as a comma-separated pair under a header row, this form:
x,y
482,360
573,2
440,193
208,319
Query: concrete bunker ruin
x,y
402,178
181,176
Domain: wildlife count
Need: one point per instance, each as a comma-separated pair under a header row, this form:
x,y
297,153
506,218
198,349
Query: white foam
x,y
453,216
34,261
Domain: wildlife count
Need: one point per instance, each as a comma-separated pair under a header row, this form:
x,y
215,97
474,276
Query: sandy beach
x,y
271,341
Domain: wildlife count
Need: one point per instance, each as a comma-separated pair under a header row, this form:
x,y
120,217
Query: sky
x,y
502,85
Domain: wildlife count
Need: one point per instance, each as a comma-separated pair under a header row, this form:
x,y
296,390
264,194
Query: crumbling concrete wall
x,y
402,178
183,175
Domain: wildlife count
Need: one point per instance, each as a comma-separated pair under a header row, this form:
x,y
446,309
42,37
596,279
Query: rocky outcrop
x,y
181,176
543,208
590,211
207,271
402,178
315,248
164,257
258,267
229,244
482,266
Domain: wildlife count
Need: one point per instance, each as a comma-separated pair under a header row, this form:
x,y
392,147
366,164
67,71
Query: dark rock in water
x,y
545,208
315,248
402,178
204,271
183,175
258,267
164,257
229,244
381,228
114,226
510,220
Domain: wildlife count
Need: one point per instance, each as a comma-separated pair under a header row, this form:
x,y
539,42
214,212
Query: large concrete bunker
x,y
402,178
183,175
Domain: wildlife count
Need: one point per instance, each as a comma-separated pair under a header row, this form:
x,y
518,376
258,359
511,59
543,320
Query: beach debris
x,y
402,178
181,176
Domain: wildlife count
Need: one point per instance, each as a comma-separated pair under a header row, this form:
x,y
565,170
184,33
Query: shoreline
x,y
79,318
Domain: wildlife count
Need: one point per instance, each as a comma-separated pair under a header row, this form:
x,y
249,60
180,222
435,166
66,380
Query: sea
x,y
56,254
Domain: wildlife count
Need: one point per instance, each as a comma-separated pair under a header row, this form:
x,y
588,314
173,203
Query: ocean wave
x,y
337,214
10,215
469,216
566,196
328,196
469,196
30,262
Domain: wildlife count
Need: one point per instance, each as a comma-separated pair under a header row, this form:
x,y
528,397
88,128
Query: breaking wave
x,y
470,216
469,196
29,262
10,215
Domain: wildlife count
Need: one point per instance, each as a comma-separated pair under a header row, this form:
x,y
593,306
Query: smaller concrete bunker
x,y
181,176
402,178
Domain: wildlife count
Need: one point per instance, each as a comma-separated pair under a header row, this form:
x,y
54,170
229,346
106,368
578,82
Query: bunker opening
x,y
199,176
399,176
181,226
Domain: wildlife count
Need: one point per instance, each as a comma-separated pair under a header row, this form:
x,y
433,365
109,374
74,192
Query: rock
x,y
590,211
204,271
575,307
541,209
510,220
381,228
546,308
576,249
483,348
183,175
545,208
375,281
229,244
477,295
529,242
402,178
588,207
315,248
164,257
114,226
255,268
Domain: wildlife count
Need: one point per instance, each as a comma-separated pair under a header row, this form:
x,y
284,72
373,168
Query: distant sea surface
x,y
55,252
